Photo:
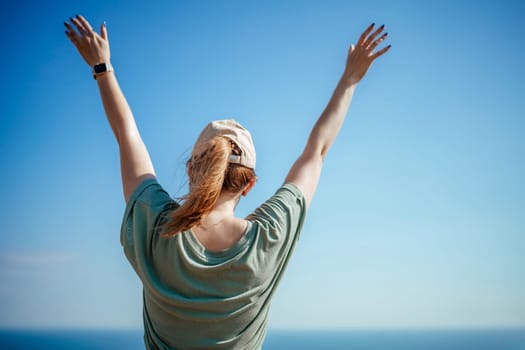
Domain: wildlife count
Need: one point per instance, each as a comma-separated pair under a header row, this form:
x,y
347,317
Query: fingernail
x,y
71,19
373,24
104,23
77,16
386,33
382,26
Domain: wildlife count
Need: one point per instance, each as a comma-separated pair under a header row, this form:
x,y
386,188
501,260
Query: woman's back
x,y
197,298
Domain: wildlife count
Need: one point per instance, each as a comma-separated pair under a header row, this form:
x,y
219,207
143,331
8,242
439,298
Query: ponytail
x,y
207,172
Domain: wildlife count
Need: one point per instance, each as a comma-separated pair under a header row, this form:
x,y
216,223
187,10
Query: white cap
x,y
235,132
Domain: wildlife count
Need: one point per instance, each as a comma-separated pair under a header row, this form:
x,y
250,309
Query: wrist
x,y
101,69
350,78
348,82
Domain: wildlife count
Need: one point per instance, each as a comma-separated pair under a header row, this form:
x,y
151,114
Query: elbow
x,y
318,152
317,146
323,151
125,135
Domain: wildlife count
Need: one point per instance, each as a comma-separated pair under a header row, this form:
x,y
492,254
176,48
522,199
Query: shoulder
x,y
287,197
145,206
283,213
148,204
150,193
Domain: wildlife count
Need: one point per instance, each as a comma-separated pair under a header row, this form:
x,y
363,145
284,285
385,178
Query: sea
x,y
486,339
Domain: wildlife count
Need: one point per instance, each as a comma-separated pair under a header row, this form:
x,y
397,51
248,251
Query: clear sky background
x,y
419,218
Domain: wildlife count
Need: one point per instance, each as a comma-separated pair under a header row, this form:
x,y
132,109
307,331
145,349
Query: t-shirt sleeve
x,y
143,210
281,216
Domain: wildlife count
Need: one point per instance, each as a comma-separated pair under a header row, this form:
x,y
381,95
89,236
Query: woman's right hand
x,y
93,48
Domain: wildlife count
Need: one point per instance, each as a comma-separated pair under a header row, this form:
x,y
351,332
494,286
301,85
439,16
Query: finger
x,y
373,45
104,31
80,27
72,36
70,28
380,52
85,23
70,32
372,37
363,36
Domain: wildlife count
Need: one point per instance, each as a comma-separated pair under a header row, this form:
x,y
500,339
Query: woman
x,y
209,276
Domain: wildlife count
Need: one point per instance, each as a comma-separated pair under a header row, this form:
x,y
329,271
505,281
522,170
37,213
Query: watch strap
x,y
101,69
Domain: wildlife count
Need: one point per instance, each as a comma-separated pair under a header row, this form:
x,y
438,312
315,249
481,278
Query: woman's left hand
x,y
361,56
93,48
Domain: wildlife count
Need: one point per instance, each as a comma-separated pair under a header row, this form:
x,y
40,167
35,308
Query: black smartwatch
x,y
101,68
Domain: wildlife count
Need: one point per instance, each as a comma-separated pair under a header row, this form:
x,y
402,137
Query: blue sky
x,y
419,216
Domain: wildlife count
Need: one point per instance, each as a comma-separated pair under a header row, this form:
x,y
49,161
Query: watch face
x,y
100,68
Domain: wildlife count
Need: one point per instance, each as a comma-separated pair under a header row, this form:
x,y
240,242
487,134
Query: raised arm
x,y
135,162
306,170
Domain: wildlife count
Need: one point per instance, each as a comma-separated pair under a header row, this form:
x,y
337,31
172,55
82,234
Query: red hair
x,y
210,174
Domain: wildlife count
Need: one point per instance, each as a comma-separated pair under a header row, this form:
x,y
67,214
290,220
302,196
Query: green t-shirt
x,y
198,299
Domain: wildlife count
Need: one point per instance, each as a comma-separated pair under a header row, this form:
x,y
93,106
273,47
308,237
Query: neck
x,y
224,209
